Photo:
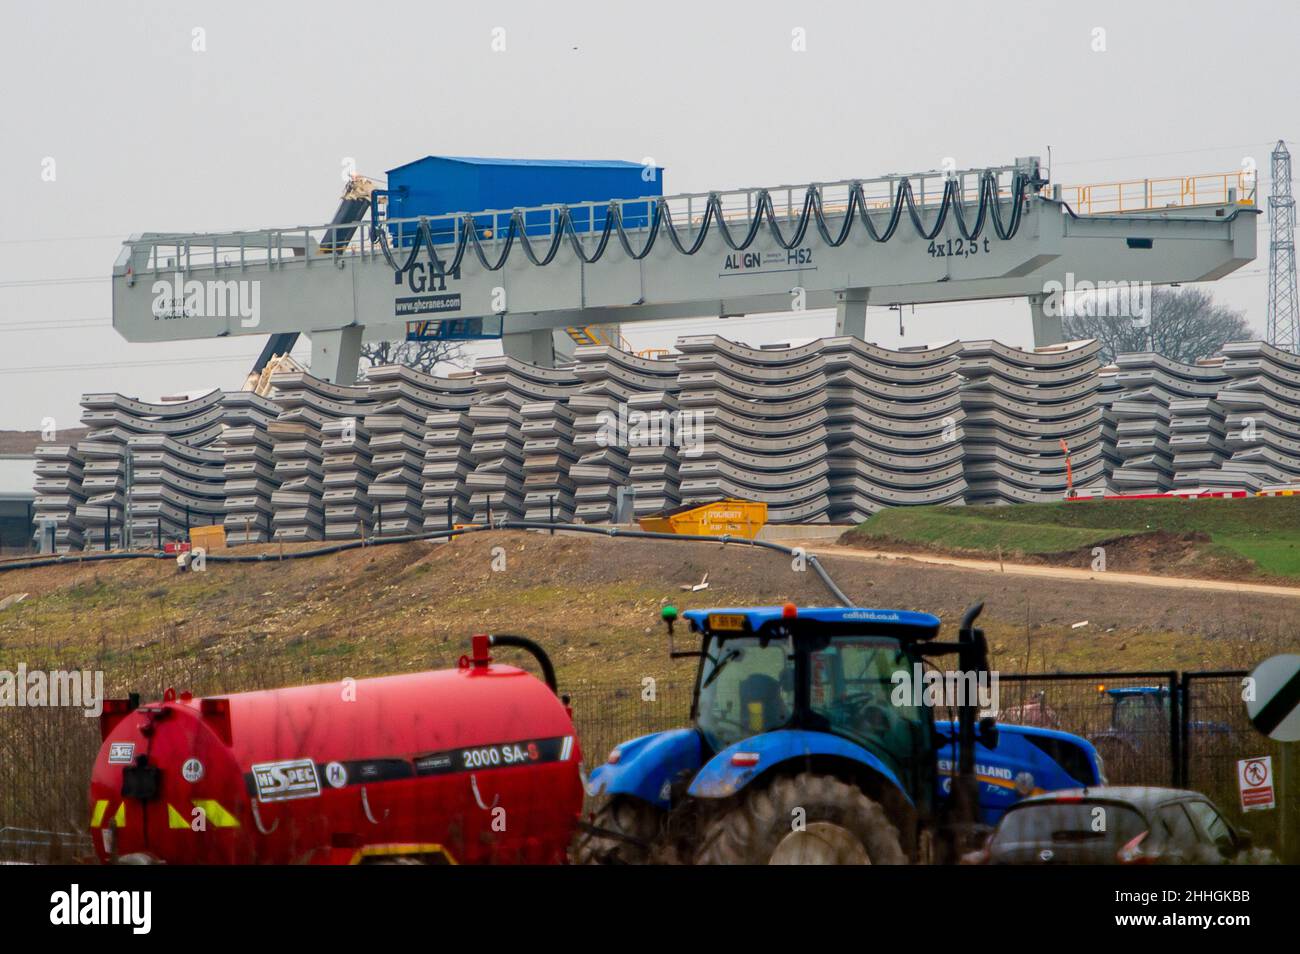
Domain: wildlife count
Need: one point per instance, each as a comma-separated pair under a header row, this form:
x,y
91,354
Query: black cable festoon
x,y
504,524
811,212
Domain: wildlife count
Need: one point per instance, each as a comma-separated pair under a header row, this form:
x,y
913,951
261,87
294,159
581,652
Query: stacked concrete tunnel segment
x,y
312,428
58,493
829,431
397,427
165,451
620,396
1150,439
894,427
776,399
1033,425
1261,415
247,466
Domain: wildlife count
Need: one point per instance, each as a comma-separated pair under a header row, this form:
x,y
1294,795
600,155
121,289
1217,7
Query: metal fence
x,y
1216,735
606,715
1132,718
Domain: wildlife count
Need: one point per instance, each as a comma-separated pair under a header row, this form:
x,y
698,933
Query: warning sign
x,y
1255,781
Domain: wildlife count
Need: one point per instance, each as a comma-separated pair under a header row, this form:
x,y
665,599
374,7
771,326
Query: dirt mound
x,y
1163,552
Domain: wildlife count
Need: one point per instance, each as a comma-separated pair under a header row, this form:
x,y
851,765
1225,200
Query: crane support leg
x,y
851,312
335,355
1047,328
542,347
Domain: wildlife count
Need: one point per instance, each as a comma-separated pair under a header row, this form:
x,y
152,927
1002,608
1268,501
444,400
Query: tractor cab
x,y
1136,743
1137,708
820,670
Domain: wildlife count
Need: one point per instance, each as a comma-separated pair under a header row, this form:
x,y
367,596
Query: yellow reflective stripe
x,y
217,816
97,816
119,820
175,819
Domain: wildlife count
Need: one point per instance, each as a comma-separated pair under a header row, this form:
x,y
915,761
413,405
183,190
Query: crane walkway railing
x,y
317,245
313,245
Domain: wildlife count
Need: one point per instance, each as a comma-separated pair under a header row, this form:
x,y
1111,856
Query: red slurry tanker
x,y
473,765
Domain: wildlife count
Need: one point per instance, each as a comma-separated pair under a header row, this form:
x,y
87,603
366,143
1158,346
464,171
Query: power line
x,y
111,365
31,326
35,240
34,282
1155,155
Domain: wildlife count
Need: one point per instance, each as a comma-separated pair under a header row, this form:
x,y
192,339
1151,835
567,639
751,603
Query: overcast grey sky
x,y
147,134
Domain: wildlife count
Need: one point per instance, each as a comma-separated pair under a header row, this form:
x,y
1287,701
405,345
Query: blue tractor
x,y
814,742
1135,745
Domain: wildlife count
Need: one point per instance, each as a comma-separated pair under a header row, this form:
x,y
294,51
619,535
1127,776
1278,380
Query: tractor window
x,y
1141,712
852,686
745,688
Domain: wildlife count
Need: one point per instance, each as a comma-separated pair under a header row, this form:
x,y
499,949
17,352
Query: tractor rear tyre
x,y
799,820
634,828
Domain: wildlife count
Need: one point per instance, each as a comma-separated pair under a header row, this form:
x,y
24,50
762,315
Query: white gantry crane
x,y
526,275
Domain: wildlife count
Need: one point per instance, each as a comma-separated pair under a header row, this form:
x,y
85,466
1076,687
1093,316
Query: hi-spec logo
x,y
423,278
280,781
238,298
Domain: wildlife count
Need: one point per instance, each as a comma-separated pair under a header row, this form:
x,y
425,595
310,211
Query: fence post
x,y
108,524
450,524
1175,731
1185,774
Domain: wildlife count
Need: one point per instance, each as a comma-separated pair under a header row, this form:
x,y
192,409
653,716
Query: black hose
x,y
503,524
535,649
811,212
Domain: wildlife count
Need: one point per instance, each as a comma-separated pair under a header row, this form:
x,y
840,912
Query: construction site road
x,y
1053,572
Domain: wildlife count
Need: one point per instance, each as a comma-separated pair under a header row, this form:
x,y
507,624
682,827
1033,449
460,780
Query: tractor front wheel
x,y
801,820
624,831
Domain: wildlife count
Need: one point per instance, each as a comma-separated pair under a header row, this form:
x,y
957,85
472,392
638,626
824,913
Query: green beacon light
x,y
669,616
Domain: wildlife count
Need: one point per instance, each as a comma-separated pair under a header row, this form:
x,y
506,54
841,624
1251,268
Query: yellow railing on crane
x,y
1138,195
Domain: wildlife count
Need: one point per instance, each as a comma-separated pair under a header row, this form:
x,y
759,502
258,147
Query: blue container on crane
x,y
444,185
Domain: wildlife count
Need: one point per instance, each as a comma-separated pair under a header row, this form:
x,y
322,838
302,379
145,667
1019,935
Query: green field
x,y
1261,533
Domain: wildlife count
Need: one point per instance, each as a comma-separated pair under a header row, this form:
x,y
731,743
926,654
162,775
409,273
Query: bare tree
x,y
421,355
1185,324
